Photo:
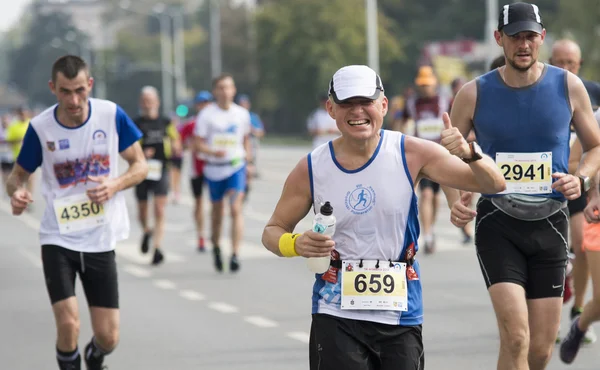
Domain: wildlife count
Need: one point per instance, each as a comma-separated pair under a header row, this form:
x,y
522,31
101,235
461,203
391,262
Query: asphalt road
x,y
184,315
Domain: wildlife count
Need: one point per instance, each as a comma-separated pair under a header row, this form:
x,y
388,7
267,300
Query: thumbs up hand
x,y
453,140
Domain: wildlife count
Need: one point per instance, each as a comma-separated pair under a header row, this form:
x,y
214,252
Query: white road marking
x,y
192,295
137,271
260,321
299,335
164,284
223,307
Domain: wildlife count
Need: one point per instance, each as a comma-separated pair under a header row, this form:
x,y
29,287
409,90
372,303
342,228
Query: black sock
x,y
94,353
68,360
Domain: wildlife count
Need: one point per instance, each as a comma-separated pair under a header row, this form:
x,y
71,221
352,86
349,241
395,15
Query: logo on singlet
x,y
99,137
360,200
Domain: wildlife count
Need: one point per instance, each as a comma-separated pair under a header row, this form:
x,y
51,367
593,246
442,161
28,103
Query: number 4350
x,y
81,210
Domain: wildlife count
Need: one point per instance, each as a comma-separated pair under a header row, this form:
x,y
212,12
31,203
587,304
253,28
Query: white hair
x,y
149,90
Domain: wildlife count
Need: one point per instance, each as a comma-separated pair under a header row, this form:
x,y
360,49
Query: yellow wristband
x,y
287,245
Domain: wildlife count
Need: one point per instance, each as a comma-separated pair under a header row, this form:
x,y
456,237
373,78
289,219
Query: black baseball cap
x,y
520,17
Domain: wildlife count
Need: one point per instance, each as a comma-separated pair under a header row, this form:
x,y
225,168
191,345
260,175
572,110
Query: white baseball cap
x,y
353,82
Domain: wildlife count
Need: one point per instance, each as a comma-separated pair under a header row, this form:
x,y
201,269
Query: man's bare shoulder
x,y
468,93
422,147
299,176
420,152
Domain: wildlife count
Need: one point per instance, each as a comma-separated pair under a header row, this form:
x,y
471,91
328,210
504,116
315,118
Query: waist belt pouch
x,y
526,207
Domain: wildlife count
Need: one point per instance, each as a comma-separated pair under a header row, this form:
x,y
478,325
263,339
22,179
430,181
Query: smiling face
x,y
521,49
359,118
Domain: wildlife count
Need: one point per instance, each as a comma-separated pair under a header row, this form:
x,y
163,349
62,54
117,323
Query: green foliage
x,y
283,55
45,41
301,43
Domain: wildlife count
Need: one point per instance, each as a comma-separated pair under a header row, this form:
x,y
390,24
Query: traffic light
x,y
182,110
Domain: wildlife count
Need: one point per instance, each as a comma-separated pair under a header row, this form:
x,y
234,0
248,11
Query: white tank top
x,y
69,155
376,211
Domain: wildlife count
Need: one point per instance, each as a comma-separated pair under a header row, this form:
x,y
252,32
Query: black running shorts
x,y
7,166
578,205
158,188
197,186
176,162
97,272
426,183
532,254
337,343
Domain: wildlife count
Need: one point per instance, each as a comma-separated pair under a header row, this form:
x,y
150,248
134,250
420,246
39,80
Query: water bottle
x,y
323,223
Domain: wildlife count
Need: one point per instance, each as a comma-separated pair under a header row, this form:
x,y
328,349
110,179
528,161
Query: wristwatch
x,y
476,153
585,182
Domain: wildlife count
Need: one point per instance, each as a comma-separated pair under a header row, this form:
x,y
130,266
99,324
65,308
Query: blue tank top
x,y
530,119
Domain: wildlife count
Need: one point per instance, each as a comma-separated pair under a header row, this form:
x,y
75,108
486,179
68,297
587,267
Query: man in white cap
x,y
368,176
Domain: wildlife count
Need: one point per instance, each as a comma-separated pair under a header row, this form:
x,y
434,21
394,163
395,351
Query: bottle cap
x,y
326,209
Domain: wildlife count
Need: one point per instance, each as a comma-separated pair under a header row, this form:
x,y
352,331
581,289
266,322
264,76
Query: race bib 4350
x,y
78,212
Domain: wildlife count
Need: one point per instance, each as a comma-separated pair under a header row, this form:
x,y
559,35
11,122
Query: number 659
x,y
375,283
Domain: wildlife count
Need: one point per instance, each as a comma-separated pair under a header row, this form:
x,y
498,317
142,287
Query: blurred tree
x,y
425,21
46,38
237,54
136,59
301,43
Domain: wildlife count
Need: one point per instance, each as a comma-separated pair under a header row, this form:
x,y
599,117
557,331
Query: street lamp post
x,y
215,38
490,27
167,70
179,55
372,38
166,64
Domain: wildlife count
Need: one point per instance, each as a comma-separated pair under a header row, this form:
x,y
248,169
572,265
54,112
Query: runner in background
x,y
160,139
201,101
257,132
15,133
566,54
6,157
320,125
426,110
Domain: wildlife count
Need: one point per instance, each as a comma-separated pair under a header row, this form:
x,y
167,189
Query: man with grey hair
x,y
566,54
160,139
